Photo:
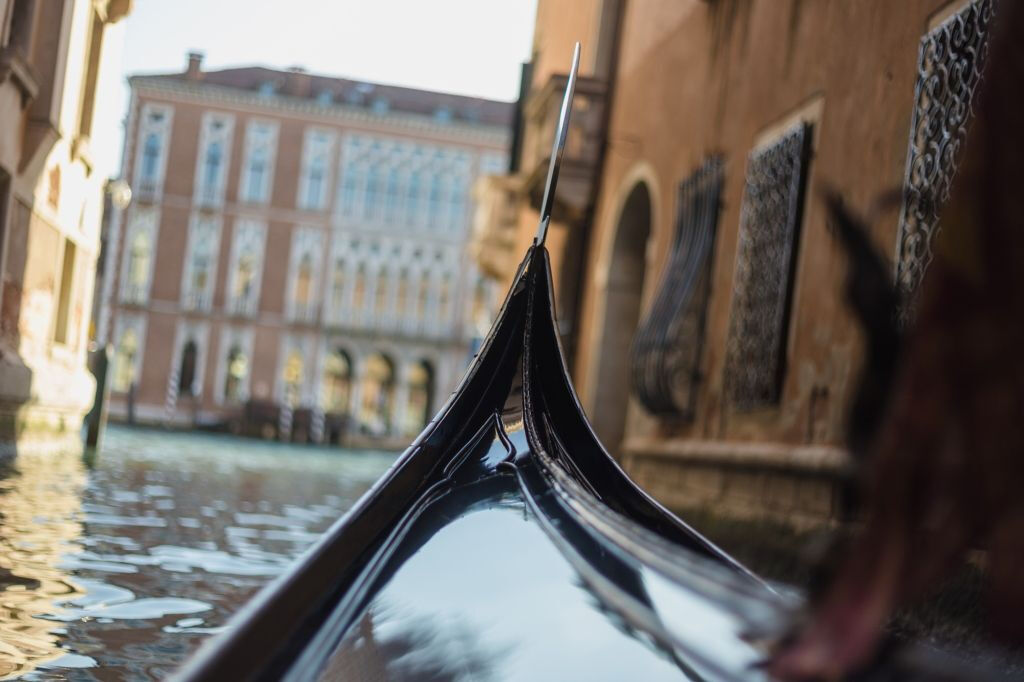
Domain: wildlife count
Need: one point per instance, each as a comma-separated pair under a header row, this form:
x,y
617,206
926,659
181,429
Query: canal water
x,y
120,570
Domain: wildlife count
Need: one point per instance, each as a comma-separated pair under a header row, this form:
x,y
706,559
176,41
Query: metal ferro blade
x,y
557,147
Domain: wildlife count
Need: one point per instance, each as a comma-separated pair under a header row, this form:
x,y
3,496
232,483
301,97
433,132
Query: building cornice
x,y
336,114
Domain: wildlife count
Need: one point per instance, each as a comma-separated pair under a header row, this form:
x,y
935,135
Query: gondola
x,y
505,543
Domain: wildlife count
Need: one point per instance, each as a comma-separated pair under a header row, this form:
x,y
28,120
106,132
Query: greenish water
x,y
121,570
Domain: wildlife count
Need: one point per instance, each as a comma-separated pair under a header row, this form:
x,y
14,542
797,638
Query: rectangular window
x,y
258,169
67,279
213,158
949,71
151,159
770,217
246,267
200,267
313,179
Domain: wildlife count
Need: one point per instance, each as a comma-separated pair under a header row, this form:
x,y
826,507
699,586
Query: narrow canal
x,y
120,570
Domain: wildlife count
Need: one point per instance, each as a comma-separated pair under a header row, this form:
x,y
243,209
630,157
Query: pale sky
x,y
470,47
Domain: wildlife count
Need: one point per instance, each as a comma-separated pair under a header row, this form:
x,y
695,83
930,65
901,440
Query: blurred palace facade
x,y
59,69
294,260
700,293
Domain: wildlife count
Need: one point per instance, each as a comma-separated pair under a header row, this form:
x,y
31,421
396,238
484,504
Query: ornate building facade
x,y
699,289
296,248
58,69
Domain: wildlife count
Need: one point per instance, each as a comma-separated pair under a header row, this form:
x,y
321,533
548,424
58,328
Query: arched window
x,y
359,291
150,157
245,276
457,206
423,300
138,267
234,380
377,395
414,204
402,294
374,182
380,304
292,375
257,174
350,188
338,285
445,299
187,368
337,383
124,368
418,407
211,169
391,196
434,200
304,281
315,183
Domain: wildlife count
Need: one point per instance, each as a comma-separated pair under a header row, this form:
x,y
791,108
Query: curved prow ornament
x,y
557,149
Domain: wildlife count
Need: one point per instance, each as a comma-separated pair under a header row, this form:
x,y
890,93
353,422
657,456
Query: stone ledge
x,y
817,460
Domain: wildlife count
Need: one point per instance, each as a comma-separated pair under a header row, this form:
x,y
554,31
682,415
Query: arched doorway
x,y
418,408
187,368
377,395
623,298
337,382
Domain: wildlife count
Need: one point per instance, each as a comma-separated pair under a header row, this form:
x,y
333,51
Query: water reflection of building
x,y
40,504
58,66
699,291
296,242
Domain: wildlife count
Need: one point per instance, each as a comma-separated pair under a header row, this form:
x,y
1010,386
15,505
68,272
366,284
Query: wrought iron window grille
x,y
769,235
950,62
666,351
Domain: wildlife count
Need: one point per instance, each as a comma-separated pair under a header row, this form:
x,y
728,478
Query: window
x,y
313,179
378,389
359,291
380,305
372,201
304,273
211,170
434,201
124,360
418,405
257,173
187,368
212,161
337,383
769,233
67,273
423,300
204,237
150,158
414,205
666,351
246,265
292,376
137,262
402,294
949,71
237,371
153,135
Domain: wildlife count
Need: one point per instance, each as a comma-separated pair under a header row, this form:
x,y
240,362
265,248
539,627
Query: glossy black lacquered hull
x,y
505,543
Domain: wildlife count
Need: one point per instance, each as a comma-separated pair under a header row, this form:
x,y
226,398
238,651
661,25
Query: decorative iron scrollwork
x,y
949,68
765,263
666,350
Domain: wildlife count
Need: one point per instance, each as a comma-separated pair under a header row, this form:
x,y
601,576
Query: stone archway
x,y
623,297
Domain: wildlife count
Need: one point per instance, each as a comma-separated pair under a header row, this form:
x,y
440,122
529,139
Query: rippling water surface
x,y
119,571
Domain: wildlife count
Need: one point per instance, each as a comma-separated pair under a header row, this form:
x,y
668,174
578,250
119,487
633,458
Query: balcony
x,y
134,294
146,191
586,133
304,313
241,307
495,225
195,300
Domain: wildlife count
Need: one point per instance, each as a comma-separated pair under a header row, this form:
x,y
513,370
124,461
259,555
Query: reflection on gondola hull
x,y
503,543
